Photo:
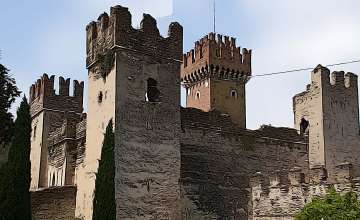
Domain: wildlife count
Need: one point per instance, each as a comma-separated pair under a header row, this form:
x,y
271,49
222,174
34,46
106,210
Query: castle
x,y
181,163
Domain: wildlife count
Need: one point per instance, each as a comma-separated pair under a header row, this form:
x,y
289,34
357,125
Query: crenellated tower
x,y
48,111
134,79
214,74
328,112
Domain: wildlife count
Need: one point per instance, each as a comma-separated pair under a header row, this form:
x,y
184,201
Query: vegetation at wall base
x,y
15,203
333,206
104,200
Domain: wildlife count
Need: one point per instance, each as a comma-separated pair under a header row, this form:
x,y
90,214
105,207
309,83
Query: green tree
x,y
332,207
8,93
14,190
104,200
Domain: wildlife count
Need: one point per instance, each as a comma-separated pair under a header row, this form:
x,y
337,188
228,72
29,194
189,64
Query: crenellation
x,y
116,32
148,26
296,176
64,86
78,89
337,78
218,51
351,81
103,22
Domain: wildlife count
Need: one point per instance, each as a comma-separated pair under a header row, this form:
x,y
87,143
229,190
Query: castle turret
x,y
47,111
214,74
328,112
134,80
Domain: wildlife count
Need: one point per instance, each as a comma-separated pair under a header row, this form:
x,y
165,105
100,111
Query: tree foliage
x,y
332,207
8,93
15,182
104,201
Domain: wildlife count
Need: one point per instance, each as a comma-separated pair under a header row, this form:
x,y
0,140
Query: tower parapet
x,y
214,74
116,30
42,95
217,57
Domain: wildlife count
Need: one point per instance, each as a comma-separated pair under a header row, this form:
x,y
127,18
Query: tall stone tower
x,y
328,112
214,75
134,81
47,111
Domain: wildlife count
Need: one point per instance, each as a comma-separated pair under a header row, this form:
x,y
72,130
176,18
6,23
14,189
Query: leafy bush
x,y
333,206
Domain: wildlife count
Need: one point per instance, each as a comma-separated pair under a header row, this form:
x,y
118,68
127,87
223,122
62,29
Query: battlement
x,y
321,77
278,179
116,31
216,55
42,95
283,195
297,177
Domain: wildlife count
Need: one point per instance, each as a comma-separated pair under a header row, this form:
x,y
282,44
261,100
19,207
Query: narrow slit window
x,y
34,134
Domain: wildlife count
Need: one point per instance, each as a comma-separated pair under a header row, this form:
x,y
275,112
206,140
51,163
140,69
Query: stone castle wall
x,y
281,196
218,158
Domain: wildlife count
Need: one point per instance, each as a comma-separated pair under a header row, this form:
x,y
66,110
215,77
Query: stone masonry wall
x,y
147,151
53,203
218,158
280,196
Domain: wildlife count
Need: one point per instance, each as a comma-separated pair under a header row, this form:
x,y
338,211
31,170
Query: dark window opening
x,y
152,94
34,134
233,94
148,185
198,95
304,126
53,180
100,97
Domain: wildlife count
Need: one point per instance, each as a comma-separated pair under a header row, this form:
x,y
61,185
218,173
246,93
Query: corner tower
x,y
214,74
328,112
47,111
134,80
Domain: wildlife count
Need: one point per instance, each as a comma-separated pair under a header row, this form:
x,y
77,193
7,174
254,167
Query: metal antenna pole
x,y
214,16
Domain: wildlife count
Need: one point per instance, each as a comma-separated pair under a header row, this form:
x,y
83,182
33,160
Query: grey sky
x,y
49,36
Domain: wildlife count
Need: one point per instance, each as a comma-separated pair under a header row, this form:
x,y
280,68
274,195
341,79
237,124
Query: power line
x,y
304,69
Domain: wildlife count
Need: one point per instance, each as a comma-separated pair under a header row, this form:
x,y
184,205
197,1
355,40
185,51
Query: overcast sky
x,y
49,36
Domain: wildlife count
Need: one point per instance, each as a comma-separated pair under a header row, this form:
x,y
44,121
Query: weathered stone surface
x,y
218,158
53,203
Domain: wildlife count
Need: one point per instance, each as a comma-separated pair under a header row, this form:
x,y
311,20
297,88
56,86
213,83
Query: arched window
x,y
152,93
197,95
233,94
304,126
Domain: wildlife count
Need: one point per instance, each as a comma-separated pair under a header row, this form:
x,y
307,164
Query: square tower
x,y
214,75
328,112
48,111
134,80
